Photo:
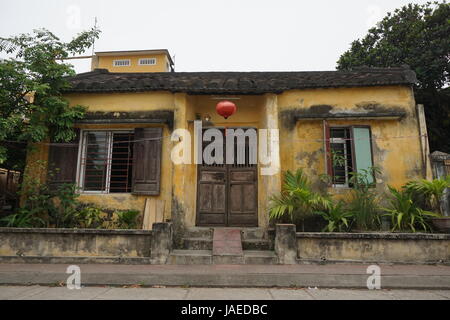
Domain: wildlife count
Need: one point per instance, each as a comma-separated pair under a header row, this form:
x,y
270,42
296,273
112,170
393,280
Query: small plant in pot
x,y
430,194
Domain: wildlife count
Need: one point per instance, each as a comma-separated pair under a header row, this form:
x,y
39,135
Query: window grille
x,y
350,151
147,61
122,63
106,161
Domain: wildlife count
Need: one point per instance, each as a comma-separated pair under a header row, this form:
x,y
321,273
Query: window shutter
x,y
362,146
62,162
147,161
327,148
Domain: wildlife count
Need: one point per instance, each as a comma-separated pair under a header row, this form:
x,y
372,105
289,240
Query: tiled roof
x,y
101,80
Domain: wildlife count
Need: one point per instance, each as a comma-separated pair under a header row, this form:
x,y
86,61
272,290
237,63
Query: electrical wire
x,y
68,144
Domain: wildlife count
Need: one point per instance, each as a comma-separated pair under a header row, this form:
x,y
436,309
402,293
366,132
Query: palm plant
x,y
431,192
23,219
337,216
405,213
89,217
127,219
297,200
364,202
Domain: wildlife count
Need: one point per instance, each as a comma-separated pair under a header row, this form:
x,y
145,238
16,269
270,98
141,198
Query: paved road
x,y
162,293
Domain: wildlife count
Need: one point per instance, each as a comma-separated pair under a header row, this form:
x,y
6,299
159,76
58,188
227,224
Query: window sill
x,y
103,193
339,190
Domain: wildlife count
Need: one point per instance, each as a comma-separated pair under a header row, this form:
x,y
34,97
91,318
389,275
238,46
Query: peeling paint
x,y
396,145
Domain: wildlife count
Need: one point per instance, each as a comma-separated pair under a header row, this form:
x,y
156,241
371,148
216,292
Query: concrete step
x,y
207,244
198,232
250,233
257,244
228,259
197,244
260,257
253,233
206,257
190,257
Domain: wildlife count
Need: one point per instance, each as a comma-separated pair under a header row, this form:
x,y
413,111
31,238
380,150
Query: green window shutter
x,y
363,150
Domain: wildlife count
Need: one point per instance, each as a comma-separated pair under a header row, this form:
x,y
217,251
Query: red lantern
x,y
226,108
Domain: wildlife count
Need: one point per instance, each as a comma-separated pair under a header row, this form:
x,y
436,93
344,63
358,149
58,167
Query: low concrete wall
x,y
78,245
374,247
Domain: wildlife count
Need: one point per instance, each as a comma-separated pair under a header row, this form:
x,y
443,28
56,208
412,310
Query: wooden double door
x,y
227,194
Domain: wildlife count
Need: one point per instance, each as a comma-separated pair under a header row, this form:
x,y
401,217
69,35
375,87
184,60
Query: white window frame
x,y
82,153
147,64
121,65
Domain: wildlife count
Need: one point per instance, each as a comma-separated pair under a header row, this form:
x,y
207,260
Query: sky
x,y
209,35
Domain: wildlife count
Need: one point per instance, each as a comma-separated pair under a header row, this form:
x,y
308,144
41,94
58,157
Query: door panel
x,y
235,198
243,197
249,193
211,197
227,195
205,201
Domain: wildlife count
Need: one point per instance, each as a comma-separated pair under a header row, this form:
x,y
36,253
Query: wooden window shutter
x,y
62,162
327,148
362,146
147,161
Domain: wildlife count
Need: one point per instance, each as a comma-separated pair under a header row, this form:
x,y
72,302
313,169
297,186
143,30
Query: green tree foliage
x,y
419,36
32,107
416,35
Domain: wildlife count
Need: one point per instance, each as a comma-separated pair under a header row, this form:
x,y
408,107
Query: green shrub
x,y
22,219
337,216
297,200
364,200
42,206
59,208
63,209
127,219
428,193
90,217
405,214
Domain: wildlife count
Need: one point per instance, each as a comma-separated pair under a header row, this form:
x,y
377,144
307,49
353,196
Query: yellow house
x,y
133,61
139,109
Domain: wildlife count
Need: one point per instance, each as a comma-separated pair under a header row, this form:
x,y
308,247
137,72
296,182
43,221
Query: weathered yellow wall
x,y
129,102
396,144
250,113
123,102
106,62
124,201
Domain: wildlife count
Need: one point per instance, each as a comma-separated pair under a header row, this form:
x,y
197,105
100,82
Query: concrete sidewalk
x,y
300,276
115,293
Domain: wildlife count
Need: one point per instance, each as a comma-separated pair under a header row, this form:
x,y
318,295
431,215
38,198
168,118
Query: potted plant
x,y
432,193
